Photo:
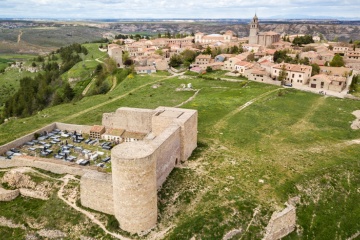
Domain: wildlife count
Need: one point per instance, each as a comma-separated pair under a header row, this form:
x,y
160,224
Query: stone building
x,y
328,82
139,168
227,37
261,38
115,52
297,75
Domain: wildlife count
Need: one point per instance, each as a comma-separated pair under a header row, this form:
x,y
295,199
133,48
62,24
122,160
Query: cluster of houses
x,y
115,135
255,62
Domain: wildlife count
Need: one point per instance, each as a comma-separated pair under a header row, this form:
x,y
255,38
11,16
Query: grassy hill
x,y
298,143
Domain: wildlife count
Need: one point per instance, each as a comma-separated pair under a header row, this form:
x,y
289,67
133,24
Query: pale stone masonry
x,y
139,168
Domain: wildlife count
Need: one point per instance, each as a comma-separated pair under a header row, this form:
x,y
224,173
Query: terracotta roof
x,y
114,131
204,56
97,128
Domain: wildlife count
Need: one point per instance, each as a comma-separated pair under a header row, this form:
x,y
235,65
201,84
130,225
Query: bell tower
x,y
254,30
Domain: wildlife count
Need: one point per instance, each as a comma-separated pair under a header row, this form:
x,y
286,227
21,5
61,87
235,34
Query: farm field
x,y
296,143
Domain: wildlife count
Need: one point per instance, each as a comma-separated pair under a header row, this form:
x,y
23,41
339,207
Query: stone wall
x,y
20,141
52,165
8,195
134,186
131,119
167,153
281,224
62,126
73,127
96,191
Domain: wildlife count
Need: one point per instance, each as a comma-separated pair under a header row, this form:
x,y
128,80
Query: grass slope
x,y
299,143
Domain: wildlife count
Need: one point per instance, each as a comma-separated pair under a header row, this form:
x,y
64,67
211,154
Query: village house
x,y
297,75
229,64
311,55
96,131
202,59
113,134
145,69
252,47
352,55
228,36
241,66
327,82
336,71
260,75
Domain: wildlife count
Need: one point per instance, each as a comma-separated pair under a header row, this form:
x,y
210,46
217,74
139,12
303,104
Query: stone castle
x,y
139,168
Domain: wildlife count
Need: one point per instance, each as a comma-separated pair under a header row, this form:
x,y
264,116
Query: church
x,y
261,38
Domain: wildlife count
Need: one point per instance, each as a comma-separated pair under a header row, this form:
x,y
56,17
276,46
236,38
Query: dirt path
x,y
189,100
114,84
303,123
19,37
223,121
112,100
88,86
93,219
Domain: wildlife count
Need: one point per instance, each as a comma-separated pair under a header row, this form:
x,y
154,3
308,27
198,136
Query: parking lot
x,y
67,146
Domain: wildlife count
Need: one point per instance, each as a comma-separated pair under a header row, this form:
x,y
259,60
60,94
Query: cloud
x,y
175,8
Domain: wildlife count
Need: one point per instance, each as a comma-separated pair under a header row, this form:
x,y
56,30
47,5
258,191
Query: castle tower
x,y
254,30
134,186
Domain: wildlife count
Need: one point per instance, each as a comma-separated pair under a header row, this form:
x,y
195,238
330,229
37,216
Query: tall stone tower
x,y
254,30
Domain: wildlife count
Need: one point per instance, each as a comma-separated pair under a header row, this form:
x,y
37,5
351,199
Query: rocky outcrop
x,y
17,179
8,195
52,234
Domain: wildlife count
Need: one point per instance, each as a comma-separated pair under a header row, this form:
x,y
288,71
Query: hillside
x,y
247,132
43,37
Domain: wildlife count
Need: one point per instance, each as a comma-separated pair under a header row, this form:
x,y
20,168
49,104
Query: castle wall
x,y
134,186
131,119
8,195
52,165
20,141
96,192
73,127
167,153
187,120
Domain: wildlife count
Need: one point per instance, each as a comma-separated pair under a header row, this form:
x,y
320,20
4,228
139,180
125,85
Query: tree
x,y
250,57
207,50
337,61
175,60
315,69
188,55
33,64
282,74
331,47
209,69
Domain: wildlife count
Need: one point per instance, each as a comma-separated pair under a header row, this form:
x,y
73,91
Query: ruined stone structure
x,y
8,195
281,223
139,168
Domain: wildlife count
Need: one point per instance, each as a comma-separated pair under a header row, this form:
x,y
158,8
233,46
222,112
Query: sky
x,y
118,9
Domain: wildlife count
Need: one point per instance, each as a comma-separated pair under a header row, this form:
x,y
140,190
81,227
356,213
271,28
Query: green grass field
x,y
298,143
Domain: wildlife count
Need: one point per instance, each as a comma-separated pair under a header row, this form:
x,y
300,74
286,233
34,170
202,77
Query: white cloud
x,y
175,8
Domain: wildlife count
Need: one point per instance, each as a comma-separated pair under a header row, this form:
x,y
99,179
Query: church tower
x,y
254,30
